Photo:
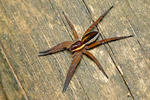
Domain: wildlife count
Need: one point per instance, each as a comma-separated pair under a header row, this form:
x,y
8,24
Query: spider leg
x,y
96,61
73,66
106,41
58,47
97,21
72,27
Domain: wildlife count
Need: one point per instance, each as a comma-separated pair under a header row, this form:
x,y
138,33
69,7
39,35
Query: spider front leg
x,y
96,61
72,27
76,59
97,21
59,47
106,41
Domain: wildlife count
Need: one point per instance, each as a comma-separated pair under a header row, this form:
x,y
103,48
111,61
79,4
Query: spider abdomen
x,y
89,38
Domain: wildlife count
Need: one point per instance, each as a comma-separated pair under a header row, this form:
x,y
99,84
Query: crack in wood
x,y
121,73
118,69
15,75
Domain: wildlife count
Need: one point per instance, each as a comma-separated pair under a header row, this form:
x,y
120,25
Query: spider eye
x,y
89,37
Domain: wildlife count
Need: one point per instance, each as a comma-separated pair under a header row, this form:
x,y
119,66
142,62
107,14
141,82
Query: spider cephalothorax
x,y
80,47
86,40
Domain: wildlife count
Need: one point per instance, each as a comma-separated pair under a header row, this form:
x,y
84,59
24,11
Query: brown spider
x,y
79,47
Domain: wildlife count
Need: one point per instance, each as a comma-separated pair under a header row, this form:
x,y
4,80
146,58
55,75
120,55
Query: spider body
x,y
80,47
86,40
76,46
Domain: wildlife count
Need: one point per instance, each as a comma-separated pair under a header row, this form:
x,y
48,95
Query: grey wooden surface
x,y
30,26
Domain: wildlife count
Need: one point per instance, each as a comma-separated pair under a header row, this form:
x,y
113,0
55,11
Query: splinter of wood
x,y
80,47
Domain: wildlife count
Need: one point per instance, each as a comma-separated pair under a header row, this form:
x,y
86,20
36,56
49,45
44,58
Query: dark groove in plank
x,y
112,57
144,53
119,70
84,90
15,75
87,9
138,41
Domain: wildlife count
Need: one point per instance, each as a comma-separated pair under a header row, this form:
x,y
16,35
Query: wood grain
x,y
30,26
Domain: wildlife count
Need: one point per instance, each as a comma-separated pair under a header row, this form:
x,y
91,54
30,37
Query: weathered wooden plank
x,y
2,94
9,83
29,26
86,78
132,56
